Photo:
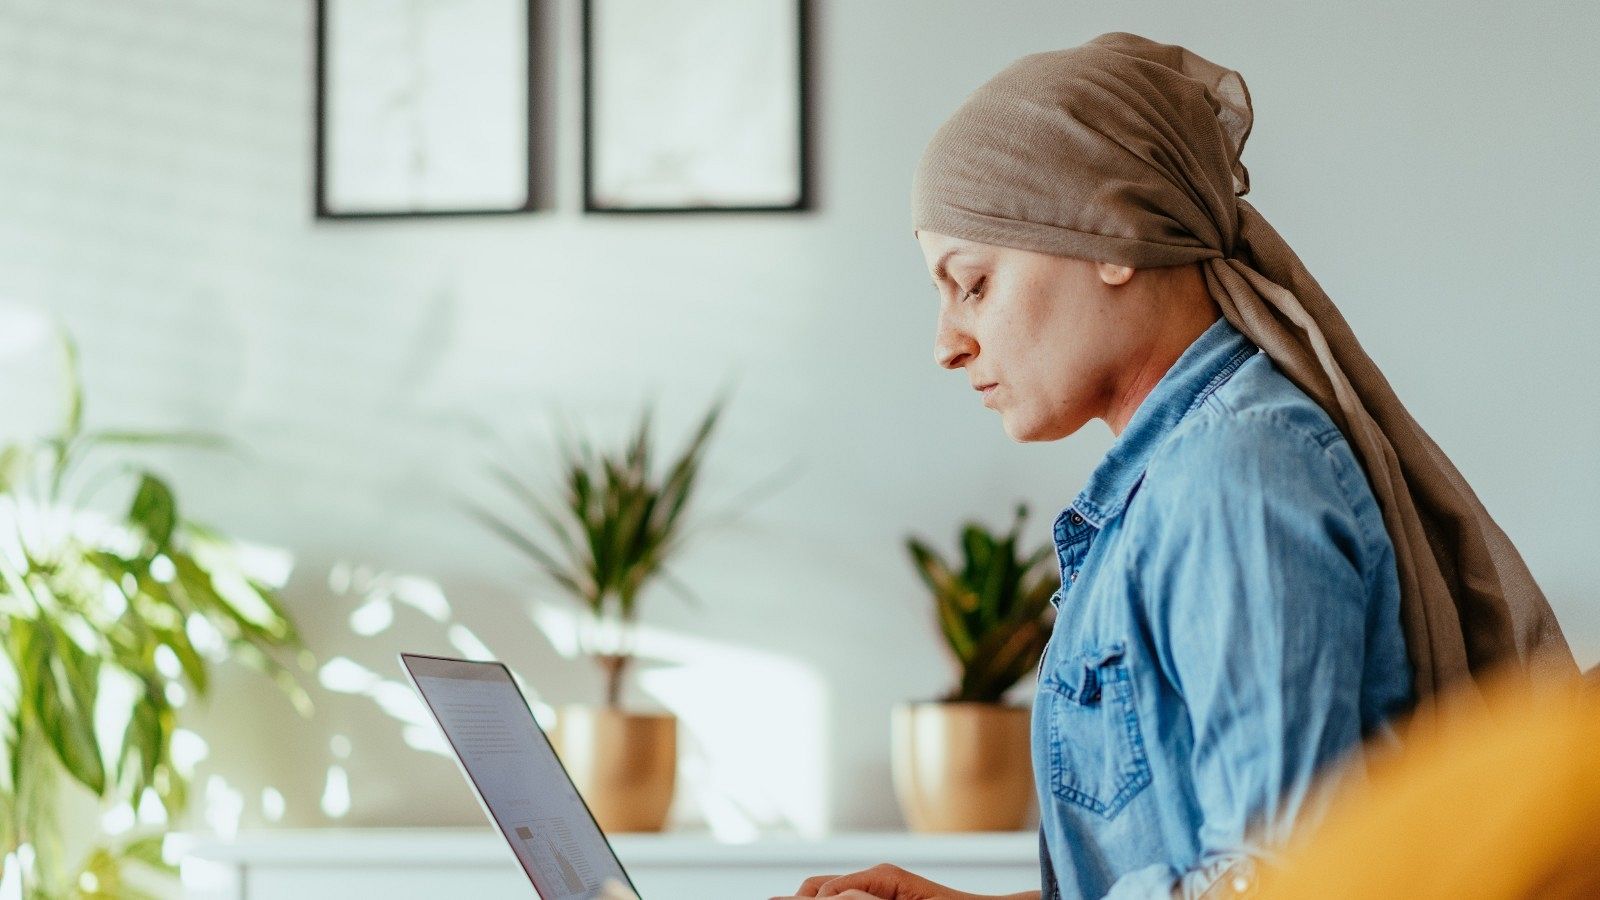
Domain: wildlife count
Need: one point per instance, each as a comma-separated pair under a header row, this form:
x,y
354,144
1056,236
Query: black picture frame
x,y
804,152
526,200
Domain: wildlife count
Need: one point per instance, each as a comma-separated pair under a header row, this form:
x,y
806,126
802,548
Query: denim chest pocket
x,y
1097,753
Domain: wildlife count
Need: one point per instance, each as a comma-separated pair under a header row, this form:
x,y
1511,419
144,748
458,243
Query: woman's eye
x,y
974,292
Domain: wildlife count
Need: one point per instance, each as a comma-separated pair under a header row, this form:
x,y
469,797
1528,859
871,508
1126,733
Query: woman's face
x,y
1050,339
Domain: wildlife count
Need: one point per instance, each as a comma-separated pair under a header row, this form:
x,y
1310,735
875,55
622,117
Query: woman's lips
x,y
988,392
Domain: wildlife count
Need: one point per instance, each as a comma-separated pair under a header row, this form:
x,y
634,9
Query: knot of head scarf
x,y
1125,150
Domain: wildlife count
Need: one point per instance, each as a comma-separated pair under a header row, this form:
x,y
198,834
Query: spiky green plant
x,y
994,610
614,527
104,616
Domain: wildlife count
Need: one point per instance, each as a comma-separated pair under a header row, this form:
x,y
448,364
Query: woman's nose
x,y
951,347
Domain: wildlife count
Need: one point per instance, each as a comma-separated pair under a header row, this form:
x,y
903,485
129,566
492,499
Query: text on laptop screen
x,y
518,776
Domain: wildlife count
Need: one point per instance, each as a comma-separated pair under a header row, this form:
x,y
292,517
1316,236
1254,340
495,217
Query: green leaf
x,y
155,510
194,668
250,634
995,612
637,458
74,417
997,581
558,528
245,607
551,566
979,548
127,438
941,580
13,467
616,524
147,850
681,476
64,698
19,641
955,630
143,740
1003,655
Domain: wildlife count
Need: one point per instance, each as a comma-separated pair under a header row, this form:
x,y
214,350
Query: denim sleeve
x,y
1254,591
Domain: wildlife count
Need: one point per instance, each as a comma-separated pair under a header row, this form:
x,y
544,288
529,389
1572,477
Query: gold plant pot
x,y
962,766
624,764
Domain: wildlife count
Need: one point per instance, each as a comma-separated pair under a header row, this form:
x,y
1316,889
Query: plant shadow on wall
x,y
602,538
113,608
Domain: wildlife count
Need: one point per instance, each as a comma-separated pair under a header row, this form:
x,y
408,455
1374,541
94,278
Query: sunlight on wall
x,y
151,810
753,738
118,819
272,804
345,676
336,793
188,750
381,590
223,806
11,883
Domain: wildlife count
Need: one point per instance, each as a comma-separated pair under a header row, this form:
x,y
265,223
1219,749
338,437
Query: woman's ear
x,y
1113,274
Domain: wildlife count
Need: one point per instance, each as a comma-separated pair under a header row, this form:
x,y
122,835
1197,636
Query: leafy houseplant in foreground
x,y
109,621
608,535
962,763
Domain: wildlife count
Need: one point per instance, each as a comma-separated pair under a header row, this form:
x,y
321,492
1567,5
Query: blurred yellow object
x,y
1492,800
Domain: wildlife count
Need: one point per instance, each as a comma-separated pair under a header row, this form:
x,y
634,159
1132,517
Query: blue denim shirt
x,y
1228,623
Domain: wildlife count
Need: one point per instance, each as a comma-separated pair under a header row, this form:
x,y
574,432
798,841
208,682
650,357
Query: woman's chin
x,y
1030,430
1019,428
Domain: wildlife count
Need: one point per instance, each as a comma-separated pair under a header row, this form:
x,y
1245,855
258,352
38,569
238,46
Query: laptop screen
x,y
517,775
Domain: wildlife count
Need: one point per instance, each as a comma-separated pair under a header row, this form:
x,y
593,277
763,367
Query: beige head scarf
x,y
1125,150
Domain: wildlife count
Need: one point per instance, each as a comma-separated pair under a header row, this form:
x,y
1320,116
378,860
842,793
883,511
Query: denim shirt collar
x,y
1202,368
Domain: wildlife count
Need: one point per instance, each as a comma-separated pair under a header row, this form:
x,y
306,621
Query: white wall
x,y
1432,163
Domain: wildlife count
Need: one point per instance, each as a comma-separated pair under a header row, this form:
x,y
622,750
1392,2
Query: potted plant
x,y
607,537
113,608
962,763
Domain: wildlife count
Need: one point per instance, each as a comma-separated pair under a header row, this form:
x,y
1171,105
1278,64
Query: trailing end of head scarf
x,y
1126,150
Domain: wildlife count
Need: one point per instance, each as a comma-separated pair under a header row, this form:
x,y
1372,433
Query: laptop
x,y
517,778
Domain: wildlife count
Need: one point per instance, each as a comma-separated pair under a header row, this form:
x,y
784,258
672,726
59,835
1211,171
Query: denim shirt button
x,y
1076,519
1073,576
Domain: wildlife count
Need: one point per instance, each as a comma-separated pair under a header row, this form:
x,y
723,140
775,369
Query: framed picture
x,y
424,107
694,105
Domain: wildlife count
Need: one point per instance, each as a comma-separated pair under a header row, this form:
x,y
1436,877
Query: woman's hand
x,y
881,882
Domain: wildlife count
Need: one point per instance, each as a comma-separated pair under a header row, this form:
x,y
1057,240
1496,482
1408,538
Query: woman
x,y
1273,560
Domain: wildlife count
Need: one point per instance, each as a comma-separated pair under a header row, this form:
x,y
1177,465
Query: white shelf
x,y
404,863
